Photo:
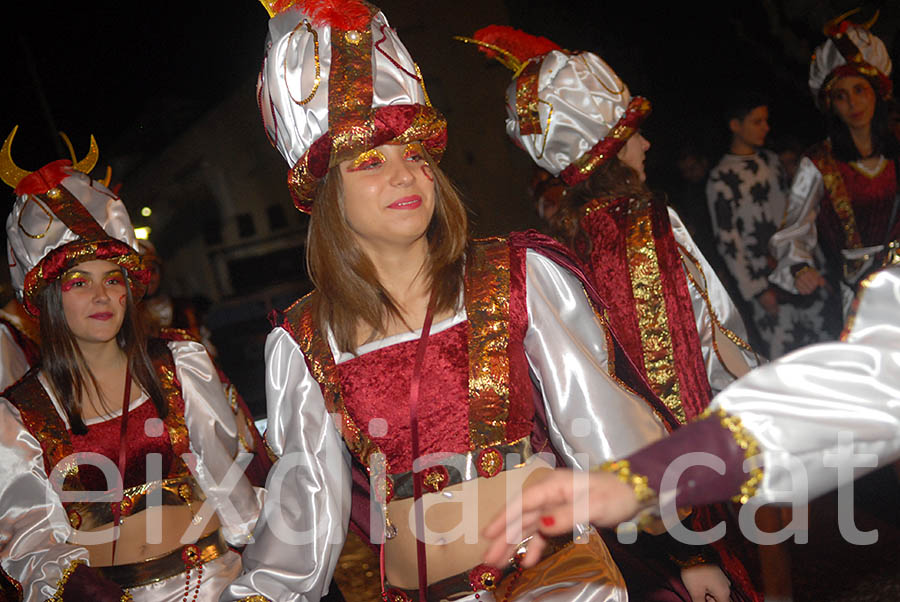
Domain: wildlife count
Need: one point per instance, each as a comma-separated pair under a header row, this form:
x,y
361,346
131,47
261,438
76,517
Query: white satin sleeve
x,y
307,509
33,523
590,416
214,441
716,318
13,364
800,406
795,243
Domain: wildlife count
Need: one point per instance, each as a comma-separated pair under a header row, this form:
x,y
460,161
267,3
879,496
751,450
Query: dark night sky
x,y
136,74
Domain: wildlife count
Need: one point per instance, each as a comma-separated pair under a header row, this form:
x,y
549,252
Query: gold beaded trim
x,y
747,442
256,598
61,584
622,469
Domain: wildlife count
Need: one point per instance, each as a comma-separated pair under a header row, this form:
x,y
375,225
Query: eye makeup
x,y
367,159
72,279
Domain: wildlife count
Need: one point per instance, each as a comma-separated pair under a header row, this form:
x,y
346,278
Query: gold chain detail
x,y
747,442
622,470
729,334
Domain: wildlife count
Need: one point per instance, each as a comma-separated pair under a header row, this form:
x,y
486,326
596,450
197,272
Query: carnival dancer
x,y
418,350
843,200
809,412
746,194
577,119
120,455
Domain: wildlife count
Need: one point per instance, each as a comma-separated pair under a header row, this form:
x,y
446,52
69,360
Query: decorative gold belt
x,y
457,468
173,563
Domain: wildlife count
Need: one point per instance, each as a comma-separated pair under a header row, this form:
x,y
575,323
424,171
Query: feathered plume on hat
x,y
62,217
851,49
336,81
569,111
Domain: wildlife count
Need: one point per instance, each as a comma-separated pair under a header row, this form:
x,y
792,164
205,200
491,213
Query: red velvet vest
x,y
635,264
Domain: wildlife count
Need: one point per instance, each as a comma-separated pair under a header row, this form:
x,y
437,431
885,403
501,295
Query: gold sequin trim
x,y
256,598
622,470
650,308
61,584
747,442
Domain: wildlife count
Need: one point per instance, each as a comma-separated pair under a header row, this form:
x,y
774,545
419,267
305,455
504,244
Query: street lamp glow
x,y
142,233
146,211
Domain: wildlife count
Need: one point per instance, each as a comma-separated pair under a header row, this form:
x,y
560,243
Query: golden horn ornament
x,y
69,146
10,173
506,58
108,178
90,160
831,28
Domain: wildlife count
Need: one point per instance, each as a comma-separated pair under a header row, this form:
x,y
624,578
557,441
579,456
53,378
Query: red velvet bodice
x,y
103,438
871,200
375,385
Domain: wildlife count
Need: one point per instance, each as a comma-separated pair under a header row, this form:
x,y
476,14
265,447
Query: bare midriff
x,y
139,530
454,519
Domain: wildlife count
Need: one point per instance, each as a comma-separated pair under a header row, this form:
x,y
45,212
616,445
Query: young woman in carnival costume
x,y
121,456
844,200
518,362
781,433
577,119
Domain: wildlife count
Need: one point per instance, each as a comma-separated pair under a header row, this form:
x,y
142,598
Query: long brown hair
x,y
345,277
612,180
66,368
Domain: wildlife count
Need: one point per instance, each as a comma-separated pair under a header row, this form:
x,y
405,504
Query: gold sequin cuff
x,y
747,442
638,483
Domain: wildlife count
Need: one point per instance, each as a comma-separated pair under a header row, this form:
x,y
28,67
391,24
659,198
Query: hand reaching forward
x,y
553,506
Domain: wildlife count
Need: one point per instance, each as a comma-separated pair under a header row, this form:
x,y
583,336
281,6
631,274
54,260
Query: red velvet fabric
x,y
443,407
42,180
608,265
103,438
871,199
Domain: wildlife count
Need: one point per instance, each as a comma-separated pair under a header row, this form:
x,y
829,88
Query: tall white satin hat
x,y
62,217
850,49
568,110
337,81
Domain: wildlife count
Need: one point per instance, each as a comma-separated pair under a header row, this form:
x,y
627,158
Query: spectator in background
x,y
747,196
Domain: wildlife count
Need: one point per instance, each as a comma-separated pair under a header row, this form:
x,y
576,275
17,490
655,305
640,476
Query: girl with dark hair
x,y
111,444
417,386
577,119
843,218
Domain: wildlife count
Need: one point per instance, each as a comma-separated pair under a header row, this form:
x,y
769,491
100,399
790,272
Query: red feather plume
x,y
339,14
521,45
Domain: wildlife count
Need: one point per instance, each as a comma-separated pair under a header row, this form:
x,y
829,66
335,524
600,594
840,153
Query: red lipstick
x,y
408,202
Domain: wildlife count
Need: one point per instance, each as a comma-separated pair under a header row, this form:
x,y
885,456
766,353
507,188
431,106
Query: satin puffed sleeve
x,y
813,408
214,441
307,509
794,245
33,524
590,416
720,327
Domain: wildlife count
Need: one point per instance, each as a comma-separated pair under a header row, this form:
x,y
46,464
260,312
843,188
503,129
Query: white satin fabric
x,y
581,99
34,528
827,57
33,231
591,419
723,358
796,242
13,363
288,76
799,406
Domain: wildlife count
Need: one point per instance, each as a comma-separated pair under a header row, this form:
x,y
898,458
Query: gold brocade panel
x,y
487,305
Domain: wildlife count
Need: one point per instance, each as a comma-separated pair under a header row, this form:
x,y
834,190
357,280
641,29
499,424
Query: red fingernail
x,y
548,521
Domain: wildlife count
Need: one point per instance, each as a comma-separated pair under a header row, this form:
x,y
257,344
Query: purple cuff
x,y
698,484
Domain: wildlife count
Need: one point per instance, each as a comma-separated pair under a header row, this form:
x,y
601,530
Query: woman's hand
x,y
705,582
808,280
553,506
